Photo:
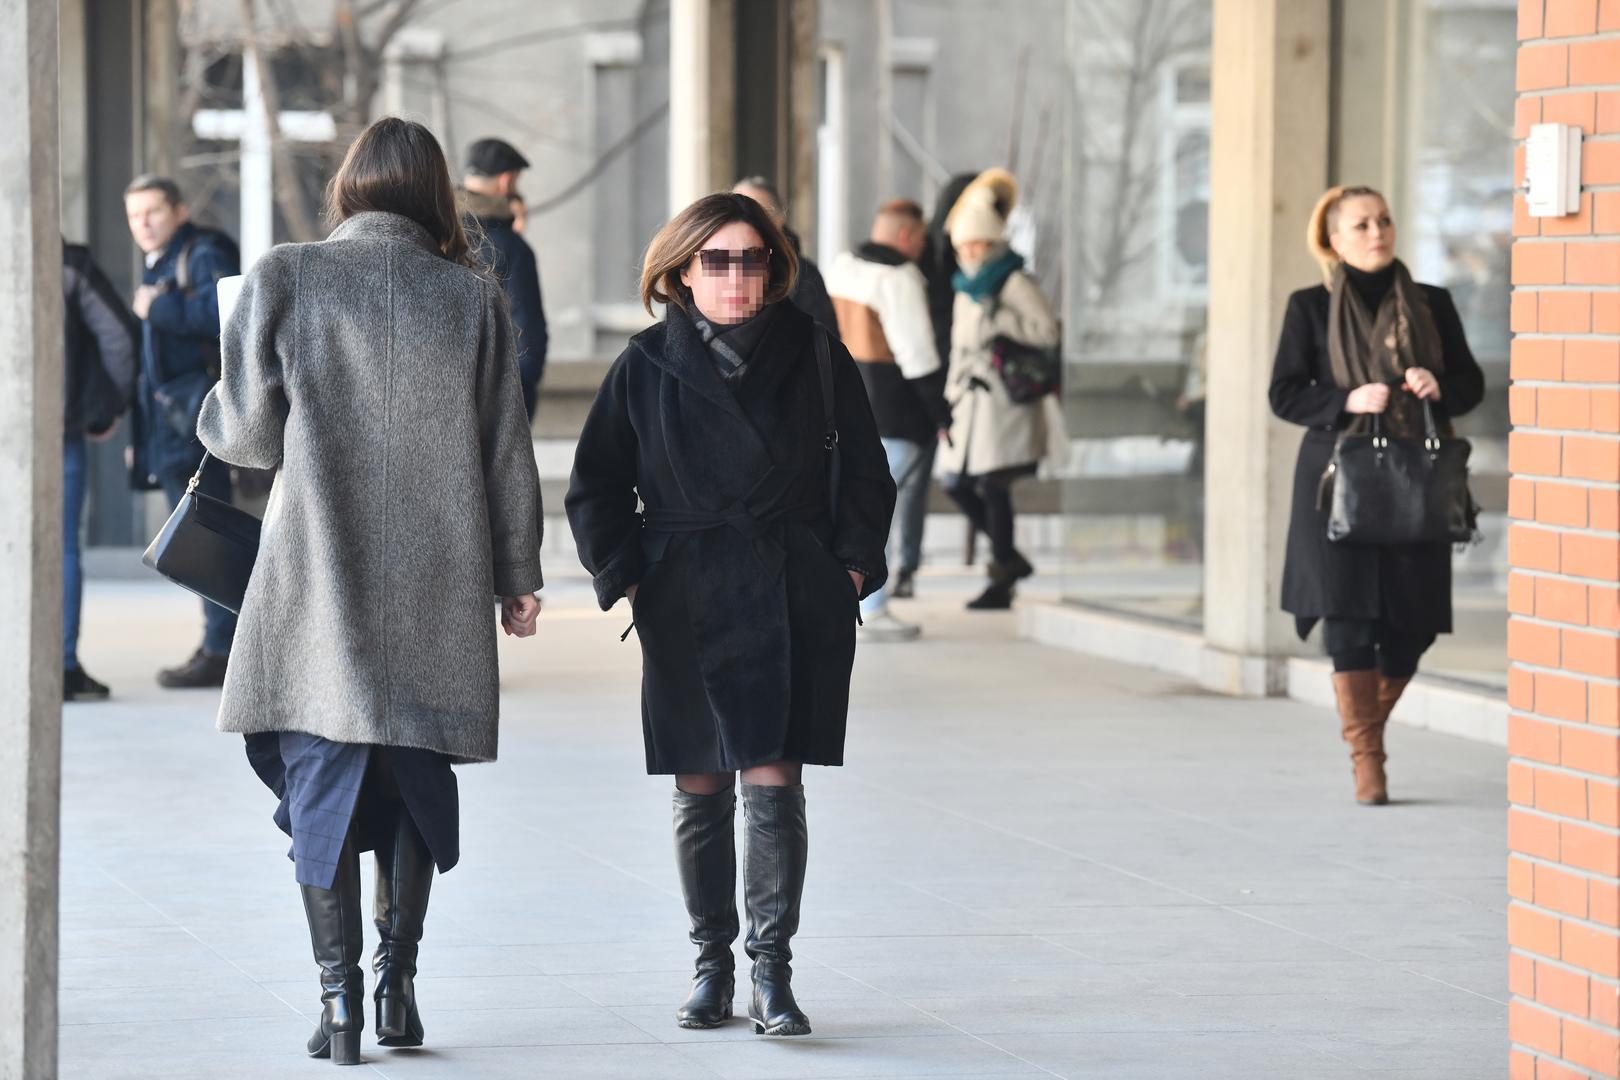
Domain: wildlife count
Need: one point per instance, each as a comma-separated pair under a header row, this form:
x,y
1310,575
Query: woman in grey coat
x,y
376,371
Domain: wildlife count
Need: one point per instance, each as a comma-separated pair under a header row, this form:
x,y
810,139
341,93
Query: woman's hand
x,y
859,579
1421,381
1372,398
518,614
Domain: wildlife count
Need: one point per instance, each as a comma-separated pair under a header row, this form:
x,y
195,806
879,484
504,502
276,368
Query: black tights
x,y
987,502
1357,645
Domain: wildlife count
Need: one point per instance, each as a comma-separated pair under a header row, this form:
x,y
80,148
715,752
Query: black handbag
x,y
207,546
1029,372
1400,490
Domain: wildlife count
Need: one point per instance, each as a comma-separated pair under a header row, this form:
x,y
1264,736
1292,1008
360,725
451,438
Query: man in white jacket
x,y
881,299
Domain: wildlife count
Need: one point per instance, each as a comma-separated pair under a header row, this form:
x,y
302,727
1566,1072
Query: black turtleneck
x,y
1371,287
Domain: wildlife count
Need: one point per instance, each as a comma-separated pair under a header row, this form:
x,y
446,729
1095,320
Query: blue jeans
x,y
912,465
73,484
219,625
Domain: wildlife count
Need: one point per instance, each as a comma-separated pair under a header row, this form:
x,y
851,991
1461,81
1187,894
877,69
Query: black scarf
x,y
731,345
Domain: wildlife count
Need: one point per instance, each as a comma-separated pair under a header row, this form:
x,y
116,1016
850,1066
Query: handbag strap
x,y
829,437
196,478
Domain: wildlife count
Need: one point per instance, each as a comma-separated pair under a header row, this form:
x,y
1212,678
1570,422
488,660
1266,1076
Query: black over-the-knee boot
x,y
335,937
404,877
706,854
775,848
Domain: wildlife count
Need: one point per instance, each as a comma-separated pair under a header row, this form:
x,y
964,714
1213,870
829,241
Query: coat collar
x,y
676,346
382,225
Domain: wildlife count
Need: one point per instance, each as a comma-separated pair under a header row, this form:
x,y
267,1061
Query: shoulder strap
x,y
824,365
182,265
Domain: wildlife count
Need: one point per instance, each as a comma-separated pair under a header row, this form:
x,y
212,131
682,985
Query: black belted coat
x,y
745,611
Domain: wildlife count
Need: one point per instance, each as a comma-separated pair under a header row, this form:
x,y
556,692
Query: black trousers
x,y
987,501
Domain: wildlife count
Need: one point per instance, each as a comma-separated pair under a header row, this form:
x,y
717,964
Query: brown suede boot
x,y
1362,726
1389,692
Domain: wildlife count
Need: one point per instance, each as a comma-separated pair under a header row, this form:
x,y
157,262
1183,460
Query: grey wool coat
x,y
382,380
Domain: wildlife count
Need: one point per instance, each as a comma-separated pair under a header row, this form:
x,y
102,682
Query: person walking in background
x,y
1367,342
178,306
99,349
809,293
377,369
994,441
881,299
743,575
489,197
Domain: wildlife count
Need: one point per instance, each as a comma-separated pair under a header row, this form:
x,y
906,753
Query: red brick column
x,y
1564,546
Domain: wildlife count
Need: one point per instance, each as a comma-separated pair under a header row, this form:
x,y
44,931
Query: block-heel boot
x,y
1362,727
775,849
404,878
706,855
335,938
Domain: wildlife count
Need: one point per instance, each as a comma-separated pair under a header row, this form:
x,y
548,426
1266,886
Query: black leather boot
x,y
775,848
335,937
706,855
404,876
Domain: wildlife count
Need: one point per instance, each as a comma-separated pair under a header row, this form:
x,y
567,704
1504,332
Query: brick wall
x,y
1564,547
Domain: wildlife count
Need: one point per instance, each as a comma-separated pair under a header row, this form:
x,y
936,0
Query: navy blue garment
x,y
179,352
325,787
511,259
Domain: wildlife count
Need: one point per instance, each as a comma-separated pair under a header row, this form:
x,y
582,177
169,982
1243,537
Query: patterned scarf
x,y
1365,346
731,345
988,279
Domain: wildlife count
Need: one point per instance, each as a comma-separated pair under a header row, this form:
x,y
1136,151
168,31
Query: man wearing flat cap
x,y
487,196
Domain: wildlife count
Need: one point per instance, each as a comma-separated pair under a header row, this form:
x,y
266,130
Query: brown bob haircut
x,y
397,166
678,242
1325,218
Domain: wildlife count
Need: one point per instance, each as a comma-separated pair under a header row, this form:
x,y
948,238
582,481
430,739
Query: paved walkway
x,y
1036,865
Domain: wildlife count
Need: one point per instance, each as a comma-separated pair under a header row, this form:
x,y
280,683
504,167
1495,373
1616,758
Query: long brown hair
x,y
398,167
677,242
1325,218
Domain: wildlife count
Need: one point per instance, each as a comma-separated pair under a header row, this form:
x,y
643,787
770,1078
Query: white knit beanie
x,y
975,215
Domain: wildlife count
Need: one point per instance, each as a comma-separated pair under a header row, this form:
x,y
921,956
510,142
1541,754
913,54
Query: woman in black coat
x,y
1369,342
743,576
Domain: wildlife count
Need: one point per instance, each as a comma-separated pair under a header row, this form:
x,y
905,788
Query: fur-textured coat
x,y
745,610
381,379
988,429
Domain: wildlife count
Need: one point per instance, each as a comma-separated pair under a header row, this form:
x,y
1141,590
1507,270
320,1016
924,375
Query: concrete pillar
x,y
30,537
702,59
1269,164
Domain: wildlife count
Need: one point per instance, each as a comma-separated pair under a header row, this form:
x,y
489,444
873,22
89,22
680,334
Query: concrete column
x,y
30,537
1269,164
702,60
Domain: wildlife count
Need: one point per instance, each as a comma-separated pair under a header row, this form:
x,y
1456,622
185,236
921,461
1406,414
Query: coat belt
x,y
762,528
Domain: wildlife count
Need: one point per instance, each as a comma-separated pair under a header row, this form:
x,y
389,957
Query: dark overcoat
x,y
745,612
1408,586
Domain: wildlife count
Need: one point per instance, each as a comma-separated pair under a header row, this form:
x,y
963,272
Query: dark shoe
x,y
203,670
706,855
77,685
996,597
404,878
775,849
335,938
1015,569
905,586
1361,721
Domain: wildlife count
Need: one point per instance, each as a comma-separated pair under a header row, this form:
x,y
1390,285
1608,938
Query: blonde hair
x,y
677,242
1325,218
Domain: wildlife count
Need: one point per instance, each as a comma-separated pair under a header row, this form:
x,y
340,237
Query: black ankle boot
x,y
335,937
706,854
996,597
775,848
404,877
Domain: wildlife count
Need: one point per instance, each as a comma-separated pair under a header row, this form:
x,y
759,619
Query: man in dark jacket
x,y
98,377
179,312
809,292
487,193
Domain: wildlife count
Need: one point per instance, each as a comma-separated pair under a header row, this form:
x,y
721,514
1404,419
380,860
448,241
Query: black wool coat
x,y
745,611
1408,586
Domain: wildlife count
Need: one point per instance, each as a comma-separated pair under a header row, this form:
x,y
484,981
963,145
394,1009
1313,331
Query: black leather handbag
x,y
1401,491
207,546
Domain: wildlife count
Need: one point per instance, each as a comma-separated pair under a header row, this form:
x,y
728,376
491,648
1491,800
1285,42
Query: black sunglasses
x,y
717,262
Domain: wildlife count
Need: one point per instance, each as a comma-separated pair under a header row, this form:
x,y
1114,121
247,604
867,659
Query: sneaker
x,y
203,670
881,626
77,685
996,597
904,586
